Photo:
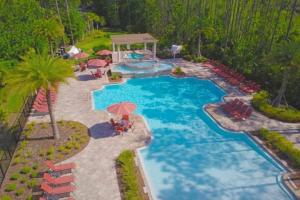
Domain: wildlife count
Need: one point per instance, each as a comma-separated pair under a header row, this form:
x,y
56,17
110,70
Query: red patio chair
x,y
60,180
61,167
57,190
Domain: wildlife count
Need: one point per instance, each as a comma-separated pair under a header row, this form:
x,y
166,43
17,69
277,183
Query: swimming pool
x,y
190,156
143,67
135,55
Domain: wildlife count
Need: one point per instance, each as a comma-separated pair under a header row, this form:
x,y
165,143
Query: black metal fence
x,y
10,135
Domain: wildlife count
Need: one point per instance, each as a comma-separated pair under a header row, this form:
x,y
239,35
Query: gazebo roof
x,y
133,38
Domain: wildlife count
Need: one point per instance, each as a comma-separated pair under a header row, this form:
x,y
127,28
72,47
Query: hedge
x,y
129,178
260,102
284,146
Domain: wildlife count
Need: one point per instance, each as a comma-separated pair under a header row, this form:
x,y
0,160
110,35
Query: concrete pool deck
x,y
96,174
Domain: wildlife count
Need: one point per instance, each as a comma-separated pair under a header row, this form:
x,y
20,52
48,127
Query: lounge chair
x,y
59,190
60,180
61,167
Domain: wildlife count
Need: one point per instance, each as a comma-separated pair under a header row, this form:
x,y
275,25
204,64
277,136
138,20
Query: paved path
x,y
96,175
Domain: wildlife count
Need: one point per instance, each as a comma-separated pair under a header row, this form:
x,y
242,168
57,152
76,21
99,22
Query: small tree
x,y
41,71
287,55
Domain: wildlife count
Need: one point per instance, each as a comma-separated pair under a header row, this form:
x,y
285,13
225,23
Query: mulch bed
x,y
27,166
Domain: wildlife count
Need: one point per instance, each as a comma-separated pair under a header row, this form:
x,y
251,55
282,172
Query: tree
x,y
287,55
206,31
41,71
51,29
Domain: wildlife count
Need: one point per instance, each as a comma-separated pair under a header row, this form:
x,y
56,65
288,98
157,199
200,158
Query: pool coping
x,y
287,187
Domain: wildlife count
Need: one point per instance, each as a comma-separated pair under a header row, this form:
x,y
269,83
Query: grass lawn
x,y
97,40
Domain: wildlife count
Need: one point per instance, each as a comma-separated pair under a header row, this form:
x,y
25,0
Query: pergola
x,y
128,39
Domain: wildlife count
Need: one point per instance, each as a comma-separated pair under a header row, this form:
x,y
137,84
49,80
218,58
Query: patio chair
x,y
61,167
59,190
57,181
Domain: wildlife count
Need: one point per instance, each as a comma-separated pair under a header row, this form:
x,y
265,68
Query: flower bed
x,y
129,177
23,178
260,102
281,146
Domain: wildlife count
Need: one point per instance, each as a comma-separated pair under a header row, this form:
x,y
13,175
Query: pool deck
x,y
96,173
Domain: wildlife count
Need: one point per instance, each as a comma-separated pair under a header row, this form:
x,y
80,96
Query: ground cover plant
x,y
129,177
261,101
24,175
281,146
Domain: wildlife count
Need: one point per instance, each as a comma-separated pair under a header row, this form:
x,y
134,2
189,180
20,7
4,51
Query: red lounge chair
x,y
45,198
244,115
60,180
58,168
239,111
57,190
234,107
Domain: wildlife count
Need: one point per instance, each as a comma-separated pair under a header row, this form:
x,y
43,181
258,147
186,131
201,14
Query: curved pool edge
x,y
276,161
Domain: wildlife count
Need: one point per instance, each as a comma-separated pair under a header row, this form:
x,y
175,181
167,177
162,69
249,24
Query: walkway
x,y
96,175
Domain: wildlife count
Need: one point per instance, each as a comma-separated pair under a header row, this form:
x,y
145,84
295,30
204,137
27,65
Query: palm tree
x,y
41,71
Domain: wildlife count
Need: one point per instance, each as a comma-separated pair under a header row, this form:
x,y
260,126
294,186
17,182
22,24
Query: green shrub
x,y
35,166
32,183
178,71
23,144
115,76
20,191
15,176
128,173
188,57
29,197
34,174
24,179
260,102
5,197
283,145
10,187
61,148
25,170
16,160
51,151
44,125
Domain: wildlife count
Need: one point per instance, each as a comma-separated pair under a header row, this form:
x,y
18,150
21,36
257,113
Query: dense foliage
x,y
240,34
41,25
261,100
284,147
128,173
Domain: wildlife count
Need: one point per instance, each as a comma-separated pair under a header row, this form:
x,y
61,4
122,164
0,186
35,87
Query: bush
x,y
34,174
10,187
128,174
50,151
15,176
32,183
5,197
29,197
178,71
284,146
25,170
20,191
260,102
23,179
116,76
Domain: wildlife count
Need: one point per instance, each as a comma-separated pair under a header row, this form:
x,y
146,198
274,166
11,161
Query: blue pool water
x,y
135,56
190,156
142,67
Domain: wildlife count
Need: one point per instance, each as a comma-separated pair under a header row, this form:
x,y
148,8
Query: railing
x,y
10,135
